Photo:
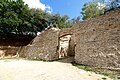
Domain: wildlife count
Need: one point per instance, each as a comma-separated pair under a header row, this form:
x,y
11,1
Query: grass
x,y
110,73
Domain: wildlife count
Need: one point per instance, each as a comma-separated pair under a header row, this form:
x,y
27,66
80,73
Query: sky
x,y
72,8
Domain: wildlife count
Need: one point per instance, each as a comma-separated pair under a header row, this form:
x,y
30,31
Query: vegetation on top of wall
x,y
98,7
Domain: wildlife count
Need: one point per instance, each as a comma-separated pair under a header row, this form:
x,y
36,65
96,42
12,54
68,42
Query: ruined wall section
x,y
98,41
51,44
8,51
44,46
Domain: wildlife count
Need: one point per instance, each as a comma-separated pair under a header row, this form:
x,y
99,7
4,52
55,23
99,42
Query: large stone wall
x,y
98,41
51,44
44,46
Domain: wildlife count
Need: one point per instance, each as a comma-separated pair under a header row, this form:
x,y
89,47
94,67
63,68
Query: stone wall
x,y
98,41
11,44
8,51
51,44
44,46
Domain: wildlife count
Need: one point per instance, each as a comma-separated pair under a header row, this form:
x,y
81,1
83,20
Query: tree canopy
x,y
91,10
16,17
98,7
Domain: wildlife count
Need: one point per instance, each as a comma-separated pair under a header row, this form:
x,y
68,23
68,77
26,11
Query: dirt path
x,y
38,70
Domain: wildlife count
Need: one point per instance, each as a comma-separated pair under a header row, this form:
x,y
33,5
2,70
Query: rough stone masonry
x,y
94,42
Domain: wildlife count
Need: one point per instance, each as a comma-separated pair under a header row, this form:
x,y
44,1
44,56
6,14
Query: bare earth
x,y
38,70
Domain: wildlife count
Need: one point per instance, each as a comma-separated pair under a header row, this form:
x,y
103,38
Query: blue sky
x,y
72,8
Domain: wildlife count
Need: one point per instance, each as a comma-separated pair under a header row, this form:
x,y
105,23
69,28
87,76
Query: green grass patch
x,y
106,72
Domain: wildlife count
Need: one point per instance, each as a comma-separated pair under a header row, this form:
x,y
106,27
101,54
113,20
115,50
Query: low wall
x,y
8,51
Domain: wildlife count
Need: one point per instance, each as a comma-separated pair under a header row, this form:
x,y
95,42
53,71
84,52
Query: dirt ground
x,y
39,70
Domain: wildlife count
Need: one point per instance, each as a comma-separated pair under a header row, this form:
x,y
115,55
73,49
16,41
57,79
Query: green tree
x,y
40,19
17,17
92,9
14,17
61,21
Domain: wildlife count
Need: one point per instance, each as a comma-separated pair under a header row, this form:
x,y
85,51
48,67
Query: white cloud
x,y
38,4
48,9
101,6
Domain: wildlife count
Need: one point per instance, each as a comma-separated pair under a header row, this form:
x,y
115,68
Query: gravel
x,y
39,70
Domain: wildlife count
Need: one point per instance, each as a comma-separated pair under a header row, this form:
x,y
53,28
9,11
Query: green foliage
x,y
18,18
98,7
14,16
40,19
61,21
91,9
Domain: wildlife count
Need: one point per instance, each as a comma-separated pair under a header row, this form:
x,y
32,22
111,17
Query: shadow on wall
x,y
11,44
